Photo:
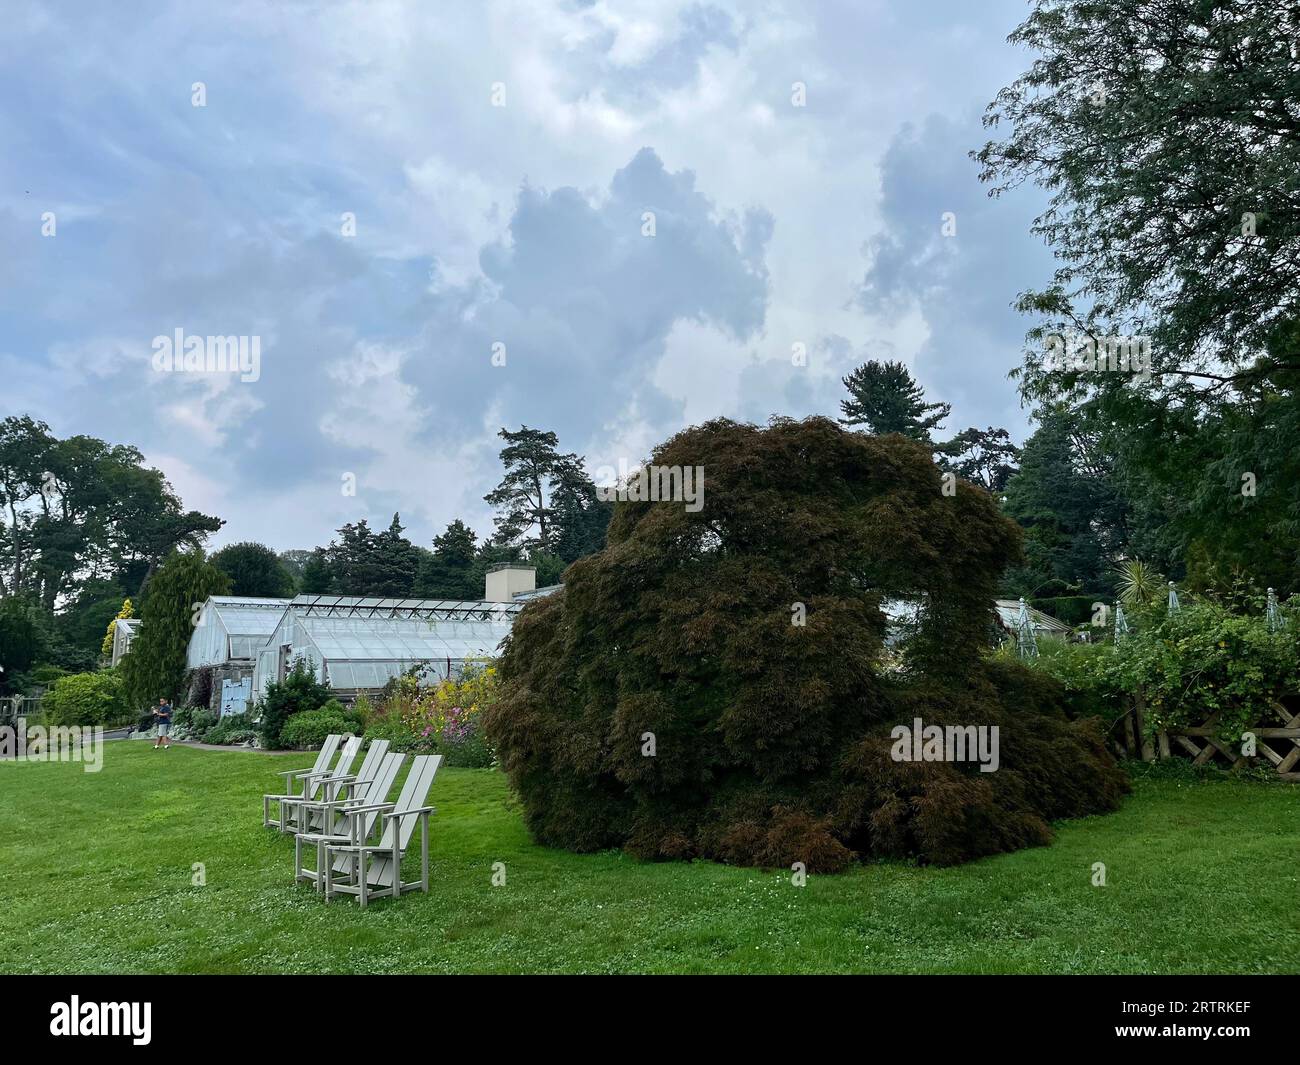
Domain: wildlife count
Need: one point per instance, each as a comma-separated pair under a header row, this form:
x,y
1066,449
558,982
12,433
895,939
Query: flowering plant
x,y
444,718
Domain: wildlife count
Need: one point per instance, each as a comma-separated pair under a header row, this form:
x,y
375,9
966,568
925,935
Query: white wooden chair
x,y
333,819
306,812
323,758
319,783
367,870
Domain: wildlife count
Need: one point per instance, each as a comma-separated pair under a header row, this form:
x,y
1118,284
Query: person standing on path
x,y
163,718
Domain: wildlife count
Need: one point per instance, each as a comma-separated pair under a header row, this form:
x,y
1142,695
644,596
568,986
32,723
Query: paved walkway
x,y
210,746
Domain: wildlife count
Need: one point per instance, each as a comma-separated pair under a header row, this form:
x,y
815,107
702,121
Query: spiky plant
x,y
1139,584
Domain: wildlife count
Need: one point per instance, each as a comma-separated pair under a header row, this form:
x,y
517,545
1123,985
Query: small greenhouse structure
x,y
359,644
124,631
1009,616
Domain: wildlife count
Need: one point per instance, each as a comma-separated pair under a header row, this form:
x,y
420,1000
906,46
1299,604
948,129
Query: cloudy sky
x,y
500,161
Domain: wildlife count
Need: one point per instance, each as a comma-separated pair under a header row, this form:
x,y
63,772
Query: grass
x,y
96,871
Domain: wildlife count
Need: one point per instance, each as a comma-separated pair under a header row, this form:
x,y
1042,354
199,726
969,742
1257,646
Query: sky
x,y
433,220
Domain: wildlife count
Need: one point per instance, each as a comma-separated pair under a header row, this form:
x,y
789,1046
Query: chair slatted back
x,y
369,767
346,757
326,753
374,757
414,793
377,791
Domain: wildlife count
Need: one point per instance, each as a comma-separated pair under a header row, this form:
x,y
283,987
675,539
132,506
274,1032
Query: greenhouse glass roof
x,y
248,617
1009,614
398,639
306,606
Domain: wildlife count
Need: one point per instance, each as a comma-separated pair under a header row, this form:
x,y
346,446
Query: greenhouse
x,y
232,628
124,631
1042,624
359,644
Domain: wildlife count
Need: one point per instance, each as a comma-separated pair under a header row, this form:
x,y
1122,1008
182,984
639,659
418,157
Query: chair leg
x,y
361,881
424,853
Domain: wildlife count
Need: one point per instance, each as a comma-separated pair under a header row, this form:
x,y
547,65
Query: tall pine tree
x,y
449,571
885,398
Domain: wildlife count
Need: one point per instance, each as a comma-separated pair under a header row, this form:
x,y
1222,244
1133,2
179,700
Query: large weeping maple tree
x,y
717,681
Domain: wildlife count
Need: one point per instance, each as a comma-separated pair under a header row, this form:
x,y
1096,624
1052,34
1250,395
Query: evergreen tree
x,y
316,576
579,517
362,562
884,397
155,665
521,499
449,571
1073,515
546,502
399,561
986,457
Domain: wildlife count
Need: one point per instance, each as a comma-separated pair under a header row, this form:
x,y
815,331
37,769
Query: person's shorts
x,y
164,728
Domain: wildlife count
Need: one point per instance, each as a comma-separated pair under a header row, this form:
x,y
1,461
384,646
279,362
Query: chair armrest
x,y
397,815
294,772
367,807
328,804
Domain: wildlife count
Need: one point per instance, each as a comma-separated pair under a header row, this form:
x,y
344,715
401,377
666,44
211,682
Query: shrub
x,y
1204,658
400,736
87,699
772,739
350,717
309,728
193,722
299,691
229,730
45,676
453,716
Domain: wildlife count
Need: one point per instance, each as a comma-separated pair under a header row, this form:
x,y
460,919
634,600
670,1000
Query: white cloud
x,y
475,224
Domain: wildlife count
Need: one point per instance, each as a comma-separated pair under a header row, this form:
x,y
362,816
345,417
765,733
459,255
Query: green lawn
x,y
95,874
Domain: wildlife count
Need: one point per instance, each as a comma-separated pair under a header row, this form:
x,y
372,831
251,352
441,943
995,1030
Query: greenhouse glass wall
x,y
232,628
359,644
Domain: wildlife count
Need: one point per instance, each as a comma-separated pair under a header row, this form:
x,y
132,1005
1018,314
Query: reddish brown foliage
x,y
772,739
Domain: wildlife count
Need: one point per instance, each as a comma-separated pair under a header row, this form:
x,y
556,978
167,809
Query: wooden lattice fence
x,y
1277,741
